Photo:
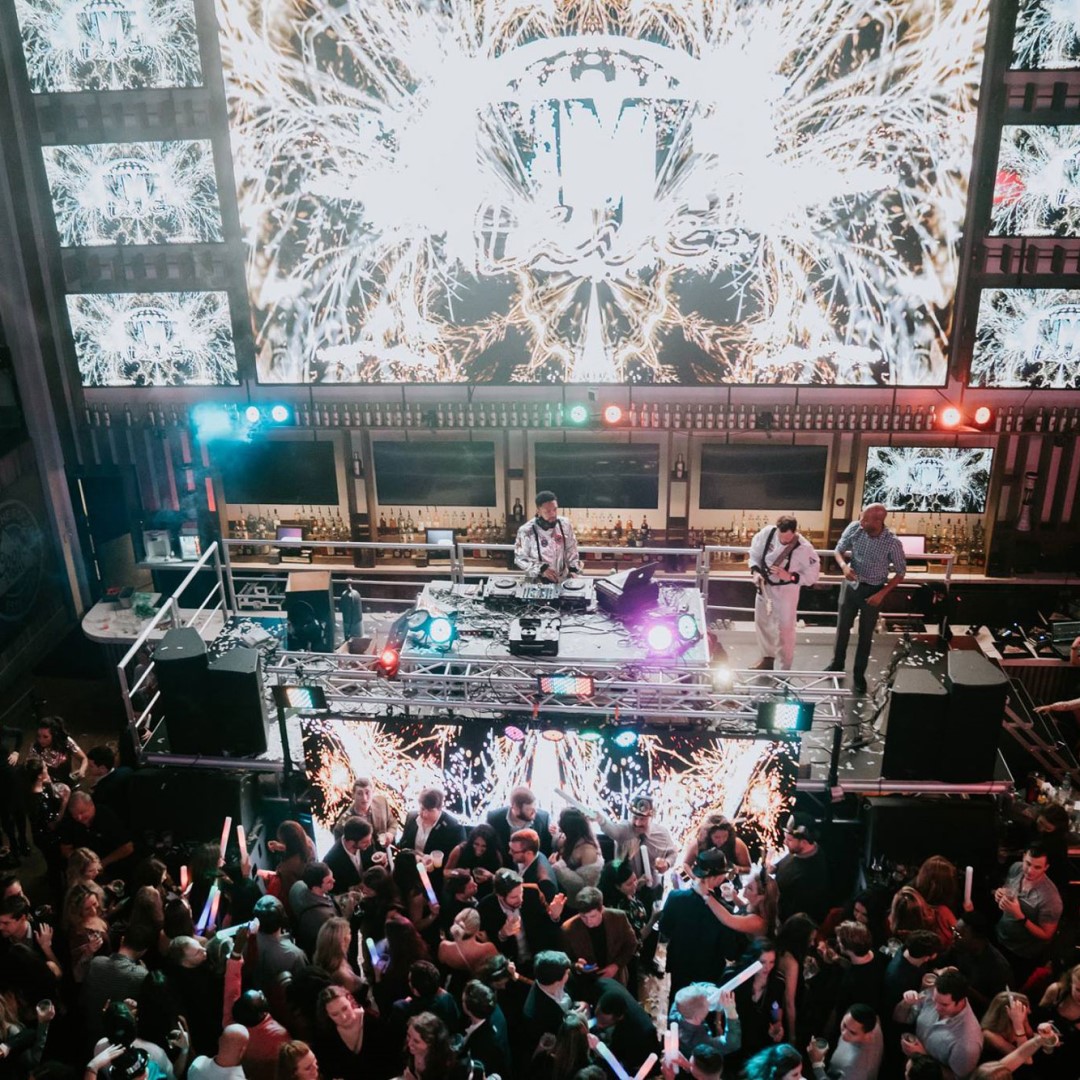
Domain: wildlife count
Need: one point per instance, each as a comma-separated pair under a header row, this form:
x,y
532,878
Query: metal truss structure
x,y
650,693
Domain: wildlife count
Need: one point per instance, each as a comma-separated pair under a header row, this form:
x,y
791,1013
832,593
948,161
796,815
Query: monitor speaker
x,y
918,707
977,694
180,664
909,829
191,804
235,687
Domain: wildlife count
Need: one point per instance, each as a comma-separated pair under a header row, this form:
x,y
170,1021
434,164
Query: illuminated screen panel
x,y
1027,338
1047,35
630,193
153,339
1037,187
73,45
134,193
751,781
928,479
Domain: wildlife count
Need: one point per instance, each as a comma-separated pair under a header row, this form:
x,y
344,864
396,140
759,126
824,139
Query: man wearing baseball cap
x,y
802,874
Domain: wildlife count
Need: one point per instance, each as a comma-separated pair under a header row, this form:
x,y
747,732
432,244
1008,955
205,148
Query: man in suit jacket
x,y
599,938
486,1037
624,1025
548,1002
531,863
112,782
346,858
372,808
518,921
430,829
522,813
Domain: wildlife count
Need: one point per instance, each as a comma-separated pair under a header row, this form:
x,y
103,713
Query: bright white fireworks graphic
x,y
153,339
73,45
1027,337
556,191
1037,188
928,479
134,193
749,780
1047,35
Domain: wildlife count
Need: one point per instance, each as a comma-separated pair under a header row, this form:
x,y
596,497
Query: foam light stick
x,y
373,952
646,1067
421,869
576,803
645,863
737,980
389,858
969,877
241,839
204,918
185,880
214,910
225,830
614,1064
671,1044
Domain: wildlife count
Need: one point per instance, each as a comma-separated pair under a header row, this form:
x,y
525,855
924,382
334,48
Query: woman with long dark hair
x,y
340,1039
480,855
577,861
562,1055
717,832
46,801
58,750
780,1062
404,946
793,942
428,1053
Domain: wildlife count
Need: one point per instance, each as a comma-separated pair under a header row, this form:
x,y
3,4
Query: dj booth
x,y
601,621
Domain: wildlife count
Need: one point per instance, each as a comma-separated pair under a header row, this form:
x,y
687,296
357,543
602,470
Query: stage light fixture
x,y
280,414
785,717
723,678
553,734
613,414
514,733
440,631
687,627
590,735
982,415
432,630
950,417
389,661
626,739
307,698
579,686
252,414
578,414
659,637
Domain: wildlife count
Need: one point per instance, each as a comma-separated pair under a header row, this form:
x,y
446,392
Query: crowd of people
x,y
573,947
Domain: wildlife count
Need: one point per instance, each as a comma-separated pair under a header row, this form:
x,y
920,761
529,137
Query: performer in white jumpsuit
x,y
781,560
546,547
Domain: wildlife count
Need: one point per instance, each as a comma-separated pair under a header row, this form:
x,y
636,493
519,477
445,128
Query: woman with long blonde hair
x,y
332,955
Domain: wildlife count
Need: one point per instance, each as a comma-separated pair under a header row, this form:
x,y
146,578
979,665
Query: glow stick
x,y
969,876
373,952
646,1067
576,803
426,882
185,880
225,830
214,910
204,918
671,1043
645,863
604,1051
738,980
389,859
241,838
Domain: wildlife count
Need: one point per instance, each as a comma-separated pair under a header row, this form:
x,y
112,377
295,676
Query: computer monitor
x,y
913,543
443,537
290,532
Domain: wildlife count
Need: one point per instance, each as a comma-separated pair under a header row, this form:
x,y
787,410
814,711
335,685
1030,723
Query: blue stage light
x,y
440,631
279,414
252,414
626,739
688,627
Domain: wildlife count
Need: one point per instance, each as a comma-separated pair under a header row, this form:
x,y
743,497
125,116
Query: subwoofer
x,y
918,711
235,692
180,665
977,694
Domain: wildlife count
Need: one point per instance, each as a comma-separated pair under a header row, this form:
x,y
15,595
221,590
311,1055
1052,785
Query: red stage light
x,y
982,415
613,414
389,661
950,416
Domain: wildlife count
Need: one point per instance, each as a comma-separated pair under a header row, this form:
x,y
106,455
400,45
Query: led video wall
x,y
582,193
752,781
153,339
1047,35
928,479
134,193
1027,338
1037,186
73,45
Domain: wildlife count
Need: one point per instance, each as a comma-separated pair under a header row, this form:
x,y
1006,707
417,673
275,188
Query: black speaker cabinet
x,y
192,803
180,664
309,604
918,708
908,829
977,693
235,690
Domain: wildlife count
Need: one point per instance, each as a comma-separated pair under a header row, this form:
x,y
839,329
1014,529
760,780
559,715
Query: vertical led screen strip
x,y
134,193
153,339
1027,338
928,479
1037,186
73,45
752,781
549,191
1047,35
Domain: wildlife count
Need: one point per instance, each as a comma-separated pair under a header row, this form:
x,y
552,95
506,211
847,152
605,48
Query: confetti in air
x,y
556,191
153,339
134,193
751,781
928,480
1027,338
73,45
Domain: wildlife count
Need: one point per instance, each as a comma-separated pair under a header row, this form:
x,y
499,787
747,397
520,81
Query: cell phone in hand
x,y
590,967
774,1011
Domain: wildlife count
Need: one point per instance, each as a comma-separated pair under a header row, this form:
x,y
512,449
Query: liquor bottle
x,y
742,418
864,418
378,414
875,419
667,416
710,419
785,418
680,467
631,416
676,418
830,420
819,419
907,418
357,464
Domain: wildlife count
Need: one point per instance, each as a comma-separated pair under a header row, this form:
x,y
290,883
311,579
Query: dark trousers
x,y
853,603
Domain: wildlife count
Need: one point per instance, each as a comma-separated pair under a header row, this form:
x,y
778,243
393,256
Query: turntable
x,y
500,588
577,594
